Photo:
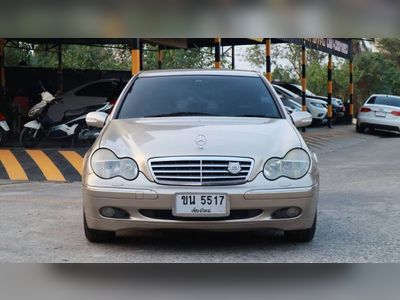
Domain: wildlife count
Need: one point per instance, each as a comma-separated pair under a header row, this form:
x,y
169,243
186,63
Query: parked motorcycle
x,y
86,133
72,125
4,129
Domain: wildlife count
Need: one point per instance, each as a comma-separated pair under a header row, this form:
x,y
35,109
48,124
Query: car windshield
x,y
385,100
198,95
284,91
308,92
295,104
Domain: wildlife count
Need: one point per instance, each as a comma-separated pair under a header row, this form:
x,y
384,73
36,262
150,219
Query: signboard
x,y
173,43
260,40
334,46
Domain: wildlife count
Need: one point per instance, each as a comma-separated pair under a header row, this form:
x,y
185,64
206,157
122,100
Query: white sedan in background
x,y
380,112
89,94
317,108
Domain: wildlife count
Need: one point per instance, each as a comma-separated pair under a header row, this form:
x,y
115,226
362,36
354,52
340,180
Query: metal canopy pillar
x,y
233,57
330,66
141,47
351,90
217,62
268,59
160,57
135,56
2,73
303,80
59,69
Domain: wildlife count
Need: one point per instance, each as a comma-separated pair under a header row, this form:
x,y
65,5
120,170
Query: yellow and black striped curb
x,y
41,165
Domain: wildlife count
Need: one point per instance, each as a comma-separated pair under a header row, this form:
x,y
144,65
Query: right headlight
x,y
105,164
294,165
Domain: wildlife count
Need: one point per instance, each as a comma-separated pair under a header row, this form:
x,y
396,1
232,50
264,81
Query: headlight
x,y
105,164
294,165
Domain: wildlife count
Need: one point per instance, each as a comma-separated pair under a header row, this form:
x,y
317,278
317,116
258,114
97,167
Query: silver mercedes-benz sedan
x,y
206,149
380,112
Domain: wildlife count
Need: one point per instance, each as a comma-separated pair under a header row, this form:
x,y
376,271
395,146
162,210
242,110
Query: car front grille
x,y
201,170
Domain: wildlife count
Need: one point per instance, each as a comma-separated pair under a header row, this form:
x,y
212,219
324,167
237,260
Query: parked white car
x,y
317,108
380,112
89,94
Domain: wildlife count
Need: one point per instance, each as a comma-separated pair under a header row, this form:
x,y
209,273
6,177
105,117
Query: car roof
x,y
384,95
107,80
157,73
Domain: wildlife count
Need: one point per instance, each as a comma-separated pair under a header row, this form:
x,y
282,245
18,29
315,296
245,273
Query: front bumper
x,y
250,196
318,114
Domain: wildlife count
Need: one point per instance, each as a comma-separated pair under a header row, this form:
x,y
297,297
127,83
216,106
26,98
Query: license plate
x,y
380,114
201,205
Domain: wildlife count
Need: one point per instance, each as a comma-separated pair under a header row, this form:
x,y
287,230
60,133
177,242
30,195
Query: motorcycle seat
x,y
75,112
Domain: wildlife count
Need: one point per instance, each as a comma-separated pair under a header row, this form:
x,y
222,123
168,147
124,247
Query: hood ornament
x,y
201,140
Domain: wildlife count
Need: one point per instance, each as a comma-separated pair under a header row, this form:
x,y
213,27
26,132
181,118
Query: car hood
x,y
335,101
256,138
316,100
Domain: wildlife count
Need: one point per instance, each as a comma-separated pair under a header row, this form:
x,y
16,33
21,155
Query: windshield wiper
x,y
182,114
256,116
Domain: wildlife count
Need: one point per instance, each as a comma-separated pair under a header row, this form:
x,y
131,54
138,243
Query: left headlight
x,y
105,164
294,165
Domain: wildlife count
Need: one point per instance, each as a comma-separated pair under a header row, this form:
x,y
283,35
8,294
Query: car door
x,y
94,93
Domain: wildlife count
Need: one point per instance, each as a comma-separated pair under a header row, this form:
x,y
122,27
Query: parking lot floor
x,y
359,211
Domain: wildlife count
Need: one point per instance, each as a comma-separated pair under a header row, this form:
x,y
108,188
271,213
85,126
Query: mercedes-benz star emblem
x,y
201,140
234,167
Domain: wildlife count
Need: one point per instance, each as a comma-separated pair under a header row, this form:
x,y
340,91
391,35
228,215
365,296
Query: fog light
x,y
107,212
113,212
287,212
292,212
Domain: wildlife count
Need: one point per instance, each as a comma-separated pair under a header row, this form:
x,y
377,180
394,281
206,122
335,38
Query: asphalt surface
x,y
359,212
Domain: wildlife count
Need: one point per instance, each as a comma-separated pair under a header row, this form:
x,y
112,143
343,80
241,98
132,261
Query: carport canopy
x,y
332,46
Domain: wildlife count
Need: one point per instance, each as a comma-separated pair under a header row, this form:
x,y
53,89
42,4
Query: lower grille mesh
x,y
167,215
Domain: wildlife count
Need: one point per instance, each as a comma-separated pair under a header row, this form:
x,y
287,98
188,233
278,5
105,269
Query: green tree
x,y
177,58
255,55
18,55
374,73
196,58
286,59
112,57
390,48
84,57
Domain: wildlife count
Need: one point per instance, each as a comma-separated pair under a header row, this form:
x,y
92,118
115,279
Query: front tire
x,y
302,236
28,138
97,236
75,137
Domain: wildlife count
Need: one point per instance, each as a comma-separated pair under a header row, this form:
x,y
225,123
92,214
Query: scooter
x,y
70,126
86,133
4,129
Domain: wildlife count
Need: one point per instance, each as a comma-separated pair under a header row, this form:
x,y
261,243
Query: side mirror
x,y
301,119
96,119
